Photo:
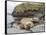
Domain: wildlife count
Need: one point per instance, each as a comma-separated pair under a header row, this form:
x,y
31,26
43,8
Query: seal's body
x,y
26,23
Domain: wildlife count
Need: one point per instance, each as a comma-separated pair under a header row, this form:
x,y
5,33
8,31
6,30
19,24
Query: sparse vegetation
x,y
28,7
24,7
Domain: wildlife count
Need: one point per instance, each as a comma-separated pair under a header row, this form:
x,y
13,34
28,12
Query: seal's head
x,y
28,25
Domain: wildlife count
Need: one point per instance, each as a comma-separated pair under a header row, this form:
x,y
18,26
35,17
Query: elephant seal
x,y
26,23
